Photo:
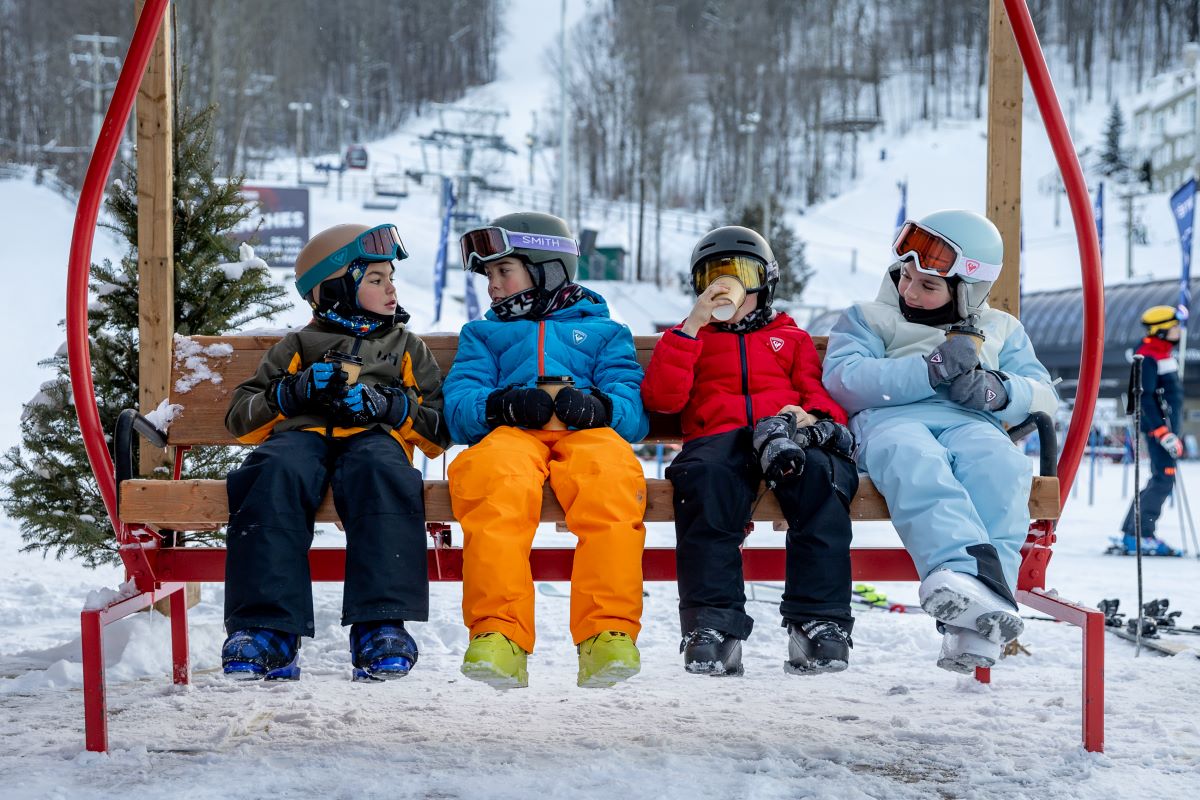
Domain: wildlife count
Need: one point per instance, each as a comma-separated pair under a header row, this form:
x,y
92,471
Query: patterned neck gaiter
x,y
756,319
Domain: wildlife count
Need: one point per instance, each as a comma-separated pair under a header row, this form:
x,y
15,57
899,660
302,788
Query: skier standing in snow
x,y
340,403
753,407
1162,402
545,387
929,410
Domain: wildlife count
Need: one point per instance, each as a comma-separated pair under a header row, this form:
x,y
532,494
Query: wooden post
x,y
156,248
156,267
1006,82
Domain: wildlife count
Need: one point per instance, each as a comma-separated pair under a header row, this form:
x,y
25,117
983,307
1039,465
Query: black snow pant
x,y
715,481
1158,488
273,498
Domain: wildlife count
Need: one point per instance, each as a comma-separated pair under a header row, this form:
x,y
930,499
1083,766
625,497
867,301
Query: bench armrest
x,y
1047,439
128,423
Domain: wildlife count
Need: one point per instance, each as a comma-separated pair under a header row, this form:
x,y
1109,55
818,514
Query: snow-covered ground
x,y
893,726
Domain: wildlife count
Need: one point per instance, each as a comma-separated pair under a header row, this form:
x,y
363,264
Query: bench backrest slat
x,y
202,421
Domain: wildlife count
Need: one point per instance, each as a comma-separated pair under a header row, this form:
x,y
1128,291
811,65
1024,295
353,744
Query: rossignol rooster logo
x,y
935,357
990,395
776,343
971,265
578,336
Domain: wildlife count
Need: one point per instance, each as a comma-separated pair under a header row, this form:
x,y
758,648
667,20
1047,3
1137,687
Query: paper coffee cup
x,y
976,338
731,302
551,385
351,365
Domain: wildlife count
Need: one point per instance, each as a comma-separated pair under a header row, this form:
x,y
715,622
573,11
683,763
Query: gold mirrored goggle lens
x,y
751,272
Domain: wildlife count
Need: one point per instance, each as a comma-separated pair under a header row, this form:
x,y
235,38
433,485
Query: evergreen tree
x,y
1114,161
794,270
49,486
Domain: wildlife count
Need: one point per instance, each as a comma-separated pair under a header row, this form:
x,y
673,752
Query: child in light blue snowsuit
x,y
929,413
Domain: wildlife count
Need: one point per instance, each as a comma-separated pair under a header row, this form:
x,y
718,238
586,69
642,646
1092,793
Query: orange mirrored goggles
x,y
934,254
750,272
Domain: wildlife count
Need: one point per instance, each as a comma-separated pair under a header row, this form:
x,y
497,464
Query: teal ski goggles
x,y
381,243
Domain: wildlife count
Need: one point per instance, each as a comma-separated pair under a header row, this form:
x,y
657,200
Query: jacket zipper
x,y
541,347
745,379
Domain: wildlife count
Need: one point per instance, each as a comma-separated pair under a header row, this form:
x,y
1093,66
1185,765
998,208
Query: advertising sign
x,y
279,228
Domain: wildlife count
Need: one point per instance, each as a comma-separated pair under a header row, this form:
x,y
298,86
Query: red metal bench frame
x,y
160,573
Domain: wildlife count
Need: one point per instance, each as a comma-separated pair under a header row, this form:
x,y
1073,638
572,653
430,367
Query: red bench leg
x,y
95,711
1091,622
181,672
1093,683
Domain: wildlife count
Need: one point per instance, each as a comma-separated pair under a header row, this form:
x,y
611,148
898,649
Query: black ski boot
x,y
707,651
817,646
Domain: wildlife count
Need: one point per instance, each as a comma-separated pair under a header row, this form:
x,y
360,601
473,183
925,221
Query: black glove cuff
x,y
605,401
494,409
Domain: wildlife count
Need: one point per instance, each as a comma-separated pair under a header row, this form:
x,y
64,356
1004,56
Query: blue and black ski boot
x,y
261,653
381,650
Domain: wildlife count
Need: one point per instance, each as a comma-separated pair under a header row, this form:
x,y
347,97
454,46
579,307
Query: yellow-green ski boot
x,y
606,659
496,660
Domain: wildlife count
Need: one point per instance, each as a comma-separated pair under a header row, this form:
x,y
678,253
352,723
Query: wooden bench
x,y
149,507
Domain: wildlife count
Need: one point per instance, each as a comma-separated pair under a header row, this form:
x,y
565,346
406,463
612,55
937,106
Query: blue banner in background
x,y
439,264
1099,211
903,213
471,301
1183,206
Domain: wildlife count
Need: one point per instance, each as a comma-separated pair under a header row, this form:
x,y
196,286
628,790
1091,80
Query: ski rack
x,y
141,547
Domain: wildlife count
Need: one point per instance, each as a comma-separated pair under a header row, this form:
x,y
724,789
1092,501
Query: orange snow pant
x,y
496,493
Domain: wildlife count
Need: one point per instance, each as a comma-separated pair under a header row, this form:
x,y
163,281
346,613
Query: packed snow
x,y
893,726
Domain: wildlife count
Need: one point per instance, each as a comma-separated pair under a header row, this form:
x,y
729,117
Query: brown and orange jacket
x,y
391,356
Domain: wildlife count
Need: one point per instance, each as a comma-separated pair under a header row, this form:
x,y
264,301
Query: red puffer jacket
x,y
722,381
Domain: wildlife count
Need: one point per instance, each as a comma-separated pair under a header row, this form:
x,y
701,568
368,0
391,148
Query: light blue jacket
x,y
581,341
875,360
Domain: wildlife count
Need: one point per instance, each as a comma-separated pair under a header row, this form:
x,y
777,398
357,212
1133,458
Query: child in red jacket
x,y
752,408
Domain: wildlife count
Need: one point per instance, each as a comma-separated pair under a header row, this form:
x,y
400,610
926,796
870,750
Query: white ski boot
x,y
964,649
958,599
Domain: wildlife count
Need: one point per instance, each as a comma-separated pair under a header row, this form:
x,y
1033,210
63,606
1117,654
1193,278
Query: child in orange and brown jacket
x,y
752,408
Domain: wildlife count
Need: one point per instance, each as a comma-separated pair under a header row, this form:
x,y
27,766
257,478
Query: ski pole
x,y
1135,400
1187,504
1178,491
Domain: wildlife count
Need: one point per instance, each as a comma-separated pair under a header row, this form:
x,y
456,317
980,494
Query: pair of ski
x,y
1156,620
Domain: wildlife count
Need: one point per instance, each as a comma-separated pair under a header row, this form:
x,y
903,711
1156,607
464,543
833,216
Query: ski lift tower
x,y
481,154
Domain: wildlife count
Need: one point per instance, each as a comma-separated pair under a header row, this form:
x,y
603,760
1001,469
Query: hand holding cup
x,y
715,296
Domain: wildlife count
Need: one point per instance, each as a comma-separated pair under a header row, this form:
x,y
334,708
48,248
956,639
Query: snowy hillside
x,y
893,726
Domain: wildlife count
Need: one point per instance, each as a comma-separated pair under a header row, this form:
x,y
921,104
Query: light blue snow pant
x,y
956,486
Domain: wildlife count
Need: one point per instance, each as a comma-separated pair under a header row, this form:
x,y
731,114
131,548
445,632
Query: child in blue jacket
x,y
547,386
929,412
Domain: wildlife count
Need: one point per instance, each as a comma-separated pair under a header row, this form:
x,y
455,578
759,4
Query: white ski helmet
x,y
980,253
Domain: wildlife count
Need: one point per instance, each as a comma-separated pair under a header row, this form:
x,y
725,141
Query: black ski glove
x,y
828,435
578,410
520,407
365,404
956,356
313,389
982,390
779,457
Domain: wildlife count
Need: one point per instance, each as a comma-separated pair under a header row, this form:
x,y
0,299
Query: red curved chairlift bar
x,y
1085,235
78,352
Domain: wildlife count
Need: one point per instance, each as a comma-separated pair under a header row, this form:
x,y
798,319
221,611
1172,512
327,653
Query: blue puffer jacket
x,y
581,341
